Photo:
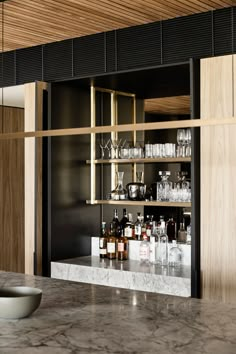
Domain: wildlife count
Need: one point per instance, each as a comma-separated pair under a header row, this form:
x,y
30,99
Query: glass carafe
x,y
182,186
119,193
164,187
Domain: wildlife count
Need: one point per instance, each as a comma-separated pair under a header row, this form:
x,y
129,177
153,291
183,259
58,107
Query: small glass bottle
x,y
153,248
138,227
122,248
182,234
175,255
144,251
161,225
103,241
171,229
162,248
149,225
111,243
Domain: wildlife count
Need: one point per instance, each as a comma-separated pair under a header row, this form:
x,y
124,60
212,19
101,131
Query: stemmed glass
x,y
180,141
103,146
188,142
115,146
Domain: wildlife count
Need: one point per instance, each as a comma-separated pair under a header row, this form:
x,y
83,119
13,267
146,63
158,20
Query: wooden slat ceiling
x,y
32,22
168,105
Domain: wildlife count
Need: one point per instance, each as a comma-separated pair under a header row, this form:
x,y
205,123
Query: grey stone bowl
x,y
19,301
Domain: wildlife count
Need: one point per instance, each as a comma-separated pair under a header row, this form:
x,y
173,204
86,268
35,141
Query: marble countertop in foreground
x,y
84,318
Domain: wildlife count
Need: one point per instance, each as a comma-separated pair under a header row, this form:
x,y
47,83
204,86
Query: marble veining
x,y
84,318
128,274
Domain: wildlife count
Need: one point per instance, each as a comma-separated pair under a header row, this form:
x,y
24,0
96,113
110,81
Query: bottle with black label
x,y
103,241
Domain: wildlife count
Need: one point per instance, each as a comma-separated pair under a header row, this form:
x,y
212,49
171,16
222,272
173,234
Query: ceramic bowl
x,y
19,301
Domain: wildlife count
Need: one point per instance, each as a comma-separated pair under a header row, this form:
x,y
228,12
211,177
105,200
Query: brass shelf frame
x,y
142,160
141,203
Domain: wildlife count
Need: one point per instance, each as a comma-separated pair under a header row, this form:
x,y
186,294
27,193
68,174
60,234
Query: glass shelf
x,y
143,160
142,202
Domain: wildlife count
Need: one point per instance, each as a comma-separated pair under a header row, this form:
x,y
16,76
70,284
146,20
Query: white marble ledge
x,y
128,275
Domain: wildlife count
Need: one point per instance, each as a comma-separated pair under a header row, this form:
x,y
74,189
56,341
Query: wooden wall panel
x,y
218,190
12,192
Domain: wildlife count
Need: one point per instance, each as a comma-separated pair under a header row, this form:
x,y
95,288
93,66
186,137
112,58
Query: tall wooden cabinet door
x,y
218,188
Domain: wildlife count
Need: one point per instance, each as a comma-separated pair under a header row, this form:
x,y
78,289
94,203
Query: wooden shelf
x,y
143,160
153,203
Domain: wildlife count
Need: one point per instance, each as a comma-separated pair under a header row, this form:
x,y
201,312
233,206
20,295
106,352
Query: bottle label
x,y
103,251
101,243
138,230
144,253
111,247
121,247
148,232
128,231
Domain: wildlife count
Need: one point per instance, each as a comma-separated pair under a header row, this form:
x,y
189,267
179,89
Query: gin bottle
x,y
175,255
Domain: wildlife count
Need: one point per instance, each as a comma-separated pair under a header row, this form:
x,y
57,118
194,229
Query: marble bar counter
x,y
128,274
83,318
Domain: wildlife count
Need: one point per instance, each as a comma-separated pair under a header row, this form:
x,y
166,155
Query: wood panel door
x,y
218,189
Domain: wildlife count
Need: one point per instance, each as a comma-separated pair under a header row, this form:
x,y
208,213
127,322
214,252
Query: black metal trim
x,y
195,179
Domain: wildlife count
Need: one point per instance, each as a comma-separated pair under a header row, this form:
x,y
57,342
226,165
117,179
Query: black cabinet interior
x,y
73,222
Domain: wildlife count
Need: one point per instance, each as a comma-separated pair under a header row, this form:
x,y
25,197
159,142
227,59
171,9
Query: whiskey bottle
x,y
103,241
129,228
122,248
138,227
111,243
116,225
149,225
182,233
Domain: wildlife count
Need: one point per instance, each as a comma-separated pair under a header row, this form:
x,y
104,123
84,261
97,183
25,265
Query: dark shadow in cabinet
x,y
72,221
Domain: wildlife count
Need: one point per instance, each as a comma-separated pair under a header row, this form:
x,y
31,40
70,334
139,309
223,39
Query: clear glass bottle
x,y
138,227
144,251
161,225
171,229
182,233
164,187
103,241
153,248
162,248
175,255
119,193
188,237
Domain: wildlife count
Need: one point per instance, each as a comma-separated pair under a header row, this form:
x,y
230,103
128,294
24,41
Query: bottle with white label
x,y
138,227
122,248
103,241
144,250
129,227
111,243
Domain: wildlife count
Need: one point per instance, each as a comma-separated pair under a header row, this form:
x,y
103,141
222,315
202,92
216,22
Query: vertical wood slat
x,y
218,191
12,192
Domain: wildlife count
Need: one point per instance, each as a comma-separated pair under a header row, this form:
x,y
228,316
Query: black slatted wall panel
x,y
234,29
110,45
187,37
29,65
139,46
7,77
57,60
222,31
89,55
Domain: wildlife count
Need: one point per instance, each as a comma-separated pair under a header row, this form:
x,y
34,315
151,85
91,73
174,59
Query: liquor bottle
x,y
103,241
122,248
171,229
143,228
175,255
144,251
153,247
111,243
138,227
149,225
124,220
161,225
116,226
129,227
162,248
182,234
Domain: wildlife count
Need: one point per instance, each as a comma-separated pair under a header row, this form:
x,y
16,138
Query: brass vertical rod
x,y
92,144
113,137
134,118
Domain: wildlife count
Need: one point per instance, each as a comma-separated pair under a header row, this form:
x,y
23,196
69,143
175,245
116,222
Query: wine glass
x,y
103,146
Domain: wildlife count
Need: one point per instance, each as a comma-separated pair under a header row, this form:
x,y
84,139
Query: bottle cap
x,y
173,242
